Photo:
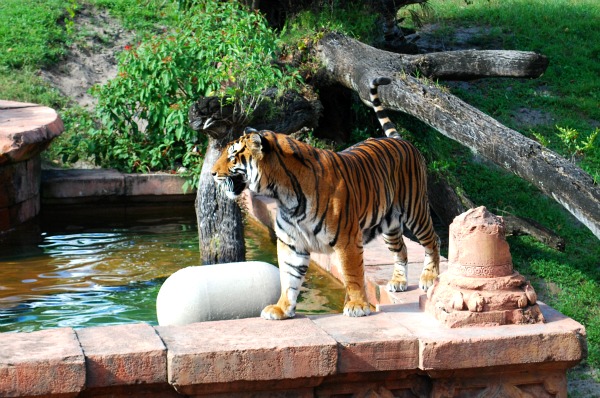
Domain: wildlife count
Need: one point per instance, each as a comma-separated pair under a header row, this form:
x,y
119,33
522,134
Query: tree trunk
x,y
354,65
220,225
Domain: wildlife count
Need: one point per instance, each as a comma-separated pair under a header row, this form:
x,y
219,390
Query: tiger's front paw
x,y
427,278
397,284
355,308
274,312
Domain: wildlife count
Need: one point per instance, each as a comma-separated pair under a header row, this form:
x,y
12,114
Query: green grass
x,y
142,16
31,32
563,30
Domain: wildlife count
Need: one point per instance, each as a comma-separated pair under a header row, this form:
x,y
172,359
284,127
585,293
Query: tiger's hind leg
x,y
293,265
431,264
395,243
431,242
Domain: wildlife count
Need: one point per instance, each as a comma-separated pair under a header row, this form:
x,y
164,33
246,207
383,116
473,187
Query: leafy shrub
x,y
575,144
219,49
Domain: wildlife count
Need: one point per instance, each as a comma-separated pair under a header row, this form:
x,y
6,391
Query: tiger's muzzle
x,y
232,185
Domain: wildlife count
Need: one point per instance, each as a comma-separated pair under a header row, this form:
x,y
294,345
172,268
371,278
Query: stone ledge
x,y
398,350
25,131
123,355
74,186
398,345
370,344
49,362
247,350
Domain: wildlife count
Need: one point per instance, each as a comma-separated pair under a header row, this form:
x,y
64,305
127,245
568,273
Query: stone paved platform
x,y
400,350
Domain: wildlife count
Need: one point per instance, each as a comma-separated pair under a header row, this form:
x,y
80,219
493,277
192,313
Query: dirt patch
x,y
528,118
92,57
436,37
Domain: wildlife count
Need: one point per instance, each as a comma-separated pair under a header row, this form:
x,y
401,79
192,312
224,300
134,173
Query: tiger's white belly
x,y
301,236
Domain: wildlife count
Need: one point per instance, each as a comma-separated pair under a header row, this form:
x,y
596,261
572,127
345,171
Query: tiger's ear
x,y
249,130
258,144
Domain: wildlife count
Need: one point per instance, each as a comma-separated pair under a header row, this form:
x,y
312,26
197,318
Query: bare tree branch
x,y
354,65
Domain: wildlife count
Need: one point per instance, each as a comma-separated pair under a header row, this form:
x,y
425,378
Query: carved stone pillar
x,y
480,286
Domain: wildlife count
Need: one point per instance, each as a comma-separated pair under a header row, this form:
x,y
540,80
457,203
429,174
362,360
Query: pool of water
x,y
76,269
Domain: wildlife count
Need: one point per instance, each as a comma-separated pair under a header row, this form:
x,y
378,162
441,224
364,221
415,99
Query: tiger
x,y
336,202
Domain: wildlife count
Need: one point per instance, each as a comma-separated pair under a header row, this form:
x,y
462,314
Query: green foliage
x,y
307,136
74,143
219,48
353,18
575,144
71,8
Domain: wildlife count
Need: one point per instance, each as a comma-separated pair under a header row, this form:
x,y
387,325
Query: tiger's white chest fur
x,y
300,234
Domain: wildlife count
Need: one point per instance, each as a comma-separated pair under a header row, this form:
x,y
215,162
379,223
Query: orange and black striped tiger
x,y
336,201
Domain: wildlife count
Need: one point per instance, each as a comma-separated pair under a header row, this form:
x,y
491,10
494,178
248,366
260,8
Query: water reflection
x,y
65,272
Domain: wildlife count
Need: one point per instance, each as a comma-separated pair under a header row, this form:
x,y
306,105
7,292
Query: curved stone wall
x,y
25,131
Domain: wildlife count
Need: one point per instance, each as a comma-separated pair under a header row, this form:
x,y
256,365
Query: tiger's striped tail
x,y
388,127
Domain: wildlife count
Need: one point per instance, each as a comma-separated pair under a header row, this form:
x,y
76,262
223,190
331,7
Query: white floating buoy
x,y
216,292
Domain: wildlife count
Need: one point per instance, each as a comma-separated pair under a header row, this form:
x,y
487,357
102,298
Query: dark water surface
x,y
103,265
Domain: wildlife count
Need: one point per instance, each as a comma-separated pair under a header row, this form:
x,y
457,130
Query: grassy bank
x,y
565,104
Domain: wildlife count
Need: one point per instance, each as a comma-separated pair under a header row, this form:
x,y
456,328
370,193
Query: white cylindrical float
x,y
216,292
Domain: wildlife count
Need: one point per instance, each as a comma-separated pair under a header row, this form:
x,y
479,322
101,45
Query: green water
x,y
78,270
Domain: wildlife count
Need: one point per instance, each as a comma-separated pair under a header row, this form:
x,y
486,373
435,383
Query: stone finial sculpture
x,y
480,286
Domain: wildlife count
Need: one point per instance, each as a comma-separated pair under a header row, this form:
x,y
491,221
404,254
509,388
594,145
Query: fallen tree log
x,y
354,65
475,64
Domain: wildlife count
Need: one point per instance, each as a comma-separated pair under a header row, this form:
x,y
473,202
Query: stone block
x,y
153,184
19,181
374,343
246,351
123,355
60,184
560,340
18,213
45,363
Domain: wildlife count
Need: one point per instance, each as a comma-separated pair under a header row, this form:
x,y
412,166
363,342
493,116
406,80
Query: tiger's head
x,y
238,167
